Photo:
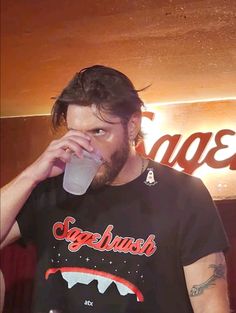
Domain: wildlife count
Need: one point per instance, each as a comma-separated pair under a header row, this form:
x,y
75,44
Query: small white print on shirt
x,y
150,179
88,303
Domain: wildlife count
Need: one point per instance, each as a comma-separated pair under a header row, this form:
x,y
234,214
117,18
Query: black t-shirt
x,y
120,248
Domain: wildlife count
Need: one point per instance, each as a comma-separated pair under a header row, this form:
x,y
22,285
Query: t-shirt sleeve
x,y
201,230
26,218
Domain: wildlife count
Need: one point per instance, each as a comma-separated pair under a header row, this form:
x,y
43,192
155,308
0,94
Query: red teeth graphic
x,y
81,275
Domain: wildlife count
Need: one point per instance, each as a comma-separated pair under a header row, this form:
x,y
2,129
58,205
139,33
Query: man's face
x,y
111,140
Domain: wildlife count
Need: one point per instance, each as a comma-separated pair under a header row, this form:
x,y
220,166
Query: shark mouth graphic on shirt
x,y
81,275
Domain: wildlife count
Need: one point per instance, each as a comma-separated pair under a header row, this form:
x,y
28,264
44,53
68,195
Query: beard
x,y
110,169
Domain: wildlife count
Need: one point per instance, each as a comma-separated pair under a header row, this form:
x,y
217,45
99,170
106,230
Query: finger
x,y
84,143
59,154
74,144
77,133
64,156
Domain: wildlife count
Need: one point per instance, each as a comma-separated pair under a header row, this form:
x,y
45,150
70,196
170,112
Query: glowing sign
x,y
189,165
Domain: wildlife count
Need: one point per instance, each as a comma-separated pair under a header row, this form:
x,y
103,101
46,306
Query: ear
x,y
134,125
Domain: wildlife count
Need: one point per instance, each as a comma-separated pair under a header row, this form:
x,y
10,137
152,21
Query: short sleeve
x,y
26,218
201,230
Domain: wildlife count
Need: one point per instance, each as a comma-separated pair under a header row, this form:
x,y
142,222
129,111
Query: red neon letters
x,y
190,165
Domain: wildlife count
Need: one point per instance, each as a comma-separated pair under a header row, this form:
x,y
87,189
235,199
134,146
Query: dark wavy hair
x,y
108,89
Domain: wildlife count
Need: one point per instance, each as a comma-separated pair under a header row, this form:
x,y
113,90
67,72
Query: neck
x,y
133,168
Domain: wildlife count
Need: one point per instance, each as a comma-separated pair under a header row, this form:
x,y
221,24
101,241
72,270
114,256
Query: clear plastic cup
x,y
79,172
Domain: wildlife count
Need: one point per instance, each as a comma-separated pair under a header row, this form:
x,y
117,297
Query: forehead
x,y
84,118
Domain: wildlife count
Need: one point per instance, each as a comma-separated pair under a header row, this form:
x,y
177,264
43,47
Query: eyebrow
x,y
104,126
89,130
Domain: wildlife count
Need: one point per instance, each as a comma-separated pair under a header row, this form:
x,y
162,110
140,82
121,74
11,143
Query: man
x,y
144,238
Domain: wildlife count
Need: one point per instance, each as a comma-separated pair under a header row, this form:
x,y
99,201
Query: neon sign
x,y
189,165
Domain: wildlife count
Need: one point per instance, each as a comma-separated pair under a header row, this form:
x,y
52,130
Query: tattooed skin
x,y
219,272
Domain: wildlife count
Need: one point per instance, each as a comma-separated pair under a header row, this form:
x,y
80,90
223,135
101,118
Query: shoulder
x,y
173,177
182,188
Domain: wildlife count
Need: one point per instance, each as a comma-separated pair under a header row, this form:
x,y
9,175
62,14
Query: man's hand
x,y
207,284
52,161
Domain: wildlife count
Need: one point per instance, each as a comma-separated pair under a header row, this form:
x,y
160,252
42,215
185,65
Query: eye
x,y
98,132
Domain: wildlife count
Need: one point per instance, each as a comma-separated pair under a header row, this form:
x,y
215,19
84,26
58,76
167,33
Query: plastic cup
x,y
79,172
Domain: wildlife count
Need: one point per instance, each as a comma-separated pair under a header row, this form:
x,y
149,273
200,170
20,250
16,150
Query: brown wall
x,y
22,141
184,48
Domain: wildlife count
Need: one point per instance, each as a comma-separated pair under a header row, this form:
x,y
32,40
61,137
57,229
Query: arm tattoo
x,y
219,272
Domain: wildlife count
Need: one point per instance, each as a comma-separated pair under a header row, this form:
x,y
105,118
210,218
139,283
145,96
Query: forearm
x,y
207,284
13,197
212,301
